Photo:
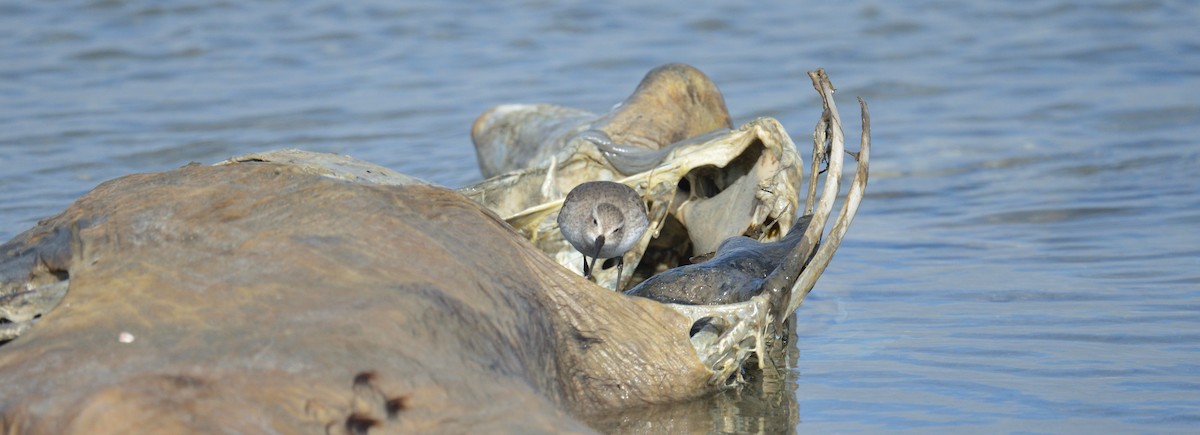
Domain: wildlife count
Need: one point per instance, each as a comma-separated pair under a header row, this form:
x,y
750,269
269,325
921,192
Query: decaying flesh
x,y
299,295
702,181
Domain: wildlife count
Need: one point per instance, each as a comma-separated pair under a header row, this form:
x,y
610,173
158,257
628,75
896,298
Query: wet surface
x,y
1027,258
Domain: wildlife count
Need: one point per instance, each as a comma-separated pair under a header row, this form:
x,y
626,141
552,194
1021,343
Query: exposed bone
x,y
781,281
820,153
745,333
9,331
734,331
21,309
816,266
744,326
756,194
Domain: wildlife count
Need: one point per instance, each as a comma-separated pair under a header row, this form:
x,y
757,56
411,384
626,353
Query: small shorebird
x,y
602,219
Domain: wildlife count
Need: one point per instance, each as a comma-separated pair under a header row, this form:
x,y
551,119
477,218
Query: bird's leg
x,y
620,265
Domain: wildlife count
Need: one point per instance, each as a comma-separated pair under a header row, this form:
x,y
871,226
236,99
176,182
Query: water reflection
x,y
766,402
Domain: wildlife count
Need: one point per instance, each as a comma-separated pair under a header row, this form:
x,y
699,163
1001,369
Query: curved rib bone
x,y
781,282
816,266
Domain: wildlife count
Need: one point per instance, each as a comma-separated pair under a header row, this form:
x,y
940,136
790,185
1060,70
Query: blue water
x,y
1027,259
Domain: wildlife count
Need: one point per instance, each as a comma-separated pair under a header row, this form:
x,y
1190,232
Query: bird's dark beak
x,y
599,246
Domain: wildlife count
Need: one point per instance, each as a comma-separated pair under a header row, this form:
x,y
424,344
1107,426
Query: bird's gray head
x,y
607,222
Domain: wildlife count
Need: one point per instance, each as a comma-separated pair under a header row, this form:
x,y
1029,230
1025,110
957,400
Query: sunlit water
x,y
1027,259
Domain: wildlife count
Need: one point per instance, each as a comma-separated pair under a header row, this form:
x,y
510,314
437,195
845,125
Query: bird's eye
x,y
594,222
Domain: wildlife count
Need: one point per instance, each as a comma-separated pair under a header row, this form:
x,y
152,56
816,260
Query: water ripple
x,y
1025,261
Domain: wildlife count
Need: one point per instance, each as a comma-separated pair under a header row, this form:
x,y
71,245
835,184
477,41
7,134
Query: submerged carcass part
x,y
672,103
744,181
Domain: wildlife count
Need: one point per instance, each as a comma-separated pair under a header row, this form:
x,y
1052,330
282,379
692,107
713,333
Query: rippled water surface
x,y
1027,259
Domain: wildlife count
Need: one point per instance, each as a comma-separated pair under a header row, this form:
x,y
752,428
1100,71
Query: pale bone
x,y
746,325
22,308
753,203
820,260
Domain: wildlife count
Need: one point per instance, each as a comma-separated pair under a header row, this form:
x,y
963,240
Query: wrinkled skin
x,y
256,292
